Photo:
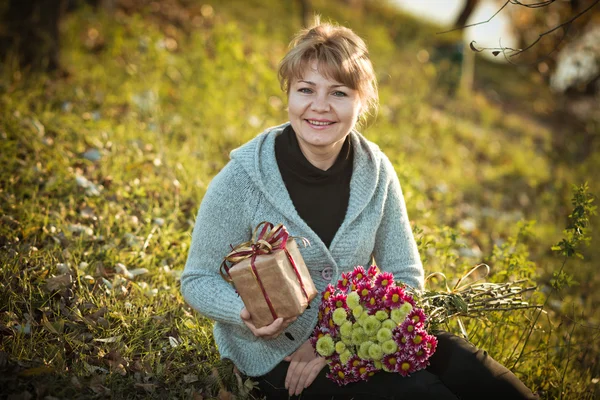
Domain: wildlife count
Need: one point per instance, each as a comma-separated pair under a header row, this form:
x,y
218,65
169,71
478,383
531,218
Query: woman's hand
x,y
268,331
304,367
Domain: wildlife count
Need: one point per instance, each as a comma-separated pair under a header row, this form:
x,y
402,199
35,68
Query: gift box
x,y
270,276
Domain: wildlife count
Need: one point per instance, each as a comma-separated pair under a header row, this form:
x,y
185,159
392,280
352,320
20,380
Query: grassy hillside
x,y
103,171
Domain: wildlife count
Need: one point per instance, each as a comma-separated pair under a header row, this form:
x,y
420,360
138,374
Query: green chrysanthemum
x,y
339,316
389,347
347,340
363,318
371,325
357,311
364,349
375,352
389,324
381,315
345,356
325,346
346,328
378,364
358,335
406,307
383,335
399,314
340,347
353,300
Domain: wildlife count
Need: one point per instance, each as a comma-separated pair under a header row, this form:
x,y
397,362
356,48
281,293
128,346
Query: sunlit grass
x,y
103,172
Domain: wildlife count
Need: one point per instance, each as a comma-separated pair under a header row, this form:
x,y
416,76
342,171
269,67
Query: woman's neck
x,y
321,158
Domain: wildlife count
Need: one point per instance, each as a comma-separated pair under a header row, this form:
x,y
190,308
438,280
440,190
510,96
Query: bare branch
x,y
478,23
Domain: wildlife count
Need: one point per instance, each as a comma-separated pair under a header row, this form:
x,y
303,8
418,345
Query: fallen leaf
x,y
148,387
42,370
111,339
174,342
58,282
225,395
190,378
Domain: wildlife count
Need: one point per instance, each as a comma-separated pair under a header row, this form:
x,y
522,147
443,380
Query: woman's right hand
x,y
269,331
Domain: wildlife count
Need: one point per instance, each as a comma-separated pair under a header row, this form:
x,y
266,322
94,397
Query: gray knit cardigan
x,y
249,190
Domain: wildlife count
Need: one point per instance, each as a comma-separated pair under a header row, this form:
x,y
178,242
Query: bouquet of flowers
x,y
367,323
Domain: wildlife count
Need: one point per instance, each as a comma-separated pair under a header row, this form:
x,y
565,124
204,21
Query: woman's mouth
x,y
319,124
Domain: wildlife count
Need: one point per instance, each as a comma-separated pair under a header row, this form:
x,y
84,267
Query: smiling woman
x,y
327,183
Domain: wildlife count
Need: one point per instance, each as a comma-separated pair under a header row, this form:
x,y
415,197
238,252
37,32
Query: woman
x,y
324,181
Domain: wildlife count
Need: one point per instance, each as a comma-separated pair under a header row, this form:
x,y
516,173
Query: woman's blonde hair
x,y
340,55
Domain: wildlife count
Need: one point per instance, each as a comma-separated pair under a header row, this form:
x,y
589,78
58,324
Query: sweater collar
x,y
257,157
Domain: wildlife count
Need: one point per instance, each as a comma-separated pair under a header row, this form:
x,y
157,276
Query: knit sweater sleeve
x,y
222,220
395,248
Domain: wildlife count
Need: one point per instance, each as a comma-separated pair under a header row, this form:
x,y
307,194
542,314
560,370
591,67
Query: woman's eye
x,y
305,90
337,93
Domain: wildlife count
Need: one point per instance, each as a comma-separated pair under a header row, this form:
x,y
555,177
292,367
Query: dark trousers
x,y
458,370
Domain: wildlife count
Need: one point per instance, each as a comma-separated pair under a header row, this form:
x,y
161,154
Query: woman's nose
x,y
320,104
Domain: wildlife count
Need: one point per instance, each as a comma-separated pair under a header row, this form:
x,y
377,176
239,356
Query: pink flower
x,y
406,365
338,300
372,271
391,361
420,354
373,302
359,275
430,344
364,289
408,328
329,290
341,375
362,369
394,297
345,282
417,316
384,280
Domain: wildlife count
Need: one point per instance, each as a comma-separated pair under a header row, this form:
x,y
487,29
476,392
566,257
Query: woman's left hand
x,y
304,367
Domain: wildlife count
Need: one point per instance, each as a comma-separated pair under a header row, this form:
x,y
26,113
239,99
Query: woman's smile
x,y
322,112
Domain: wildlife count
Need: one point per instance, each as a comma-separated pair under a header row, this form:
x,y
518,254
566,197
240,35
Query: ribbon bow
x,y
271,238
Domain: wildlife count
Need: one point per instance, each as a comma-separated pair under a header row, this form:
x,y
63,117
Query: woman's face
x,y
321,111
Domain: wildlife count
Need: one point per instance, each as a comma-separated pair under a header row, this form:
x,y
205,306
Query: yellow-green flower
x,y
357,311
381,315
383,335
346,328
325,346
353,300
364,349
389,324
399,314
339,316
340,347
389,346
358,335
371,325
345,356
375,352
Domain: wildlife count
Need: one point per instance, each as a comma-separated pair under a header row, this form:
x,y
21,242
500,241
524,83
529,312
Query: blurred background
x,y
116,114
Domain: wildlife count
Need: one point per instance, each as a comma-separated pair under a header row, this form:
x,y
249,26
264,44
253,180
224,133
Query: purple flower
x,y
408,328
372,271
359,275
338,300
394,297
384,280
417,316
345,282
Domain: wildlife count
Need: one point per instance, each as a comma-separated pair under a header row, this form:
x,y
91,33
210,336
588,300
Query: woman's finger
x,y
314,372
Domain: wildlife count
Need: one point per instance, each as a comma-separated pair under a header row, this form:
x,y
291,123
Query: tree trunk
x,y
466,12
32,33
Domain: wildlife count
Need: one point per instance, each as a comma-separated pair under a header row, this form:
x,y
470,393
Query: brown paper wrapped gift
x,y
272,287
